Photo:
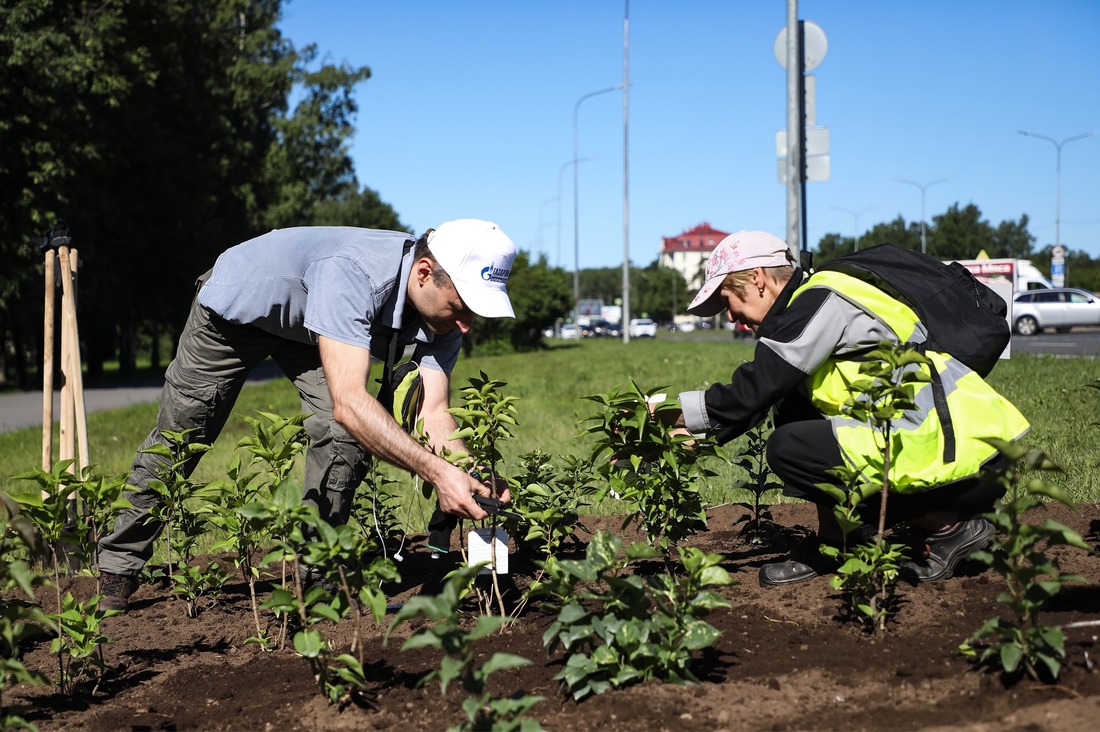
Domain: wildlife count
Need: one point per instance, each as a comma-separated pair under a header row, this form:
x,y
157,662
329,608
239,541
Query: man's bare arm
x,y
440,424
347,369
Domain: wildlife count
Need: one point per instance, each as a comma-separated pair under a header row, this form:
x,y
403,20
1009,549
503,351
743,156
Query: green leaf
x,y
308,643
1011,655
501,661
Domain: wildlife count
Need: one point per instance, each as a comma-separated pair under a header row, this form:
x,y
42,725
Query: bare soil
x,y
786,660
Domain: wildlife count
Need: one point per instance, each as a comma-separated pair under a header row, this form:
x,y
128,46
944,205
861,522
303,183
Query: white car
x,y
569,332
1058,308
643,328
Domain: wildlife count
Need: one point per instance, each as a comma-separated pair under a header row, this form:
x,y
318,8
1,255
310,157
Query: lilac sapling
x,y
868,572
1019,644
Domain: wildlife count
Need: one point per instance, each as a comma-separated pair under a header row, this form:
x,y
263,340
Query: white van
x,y
1020,272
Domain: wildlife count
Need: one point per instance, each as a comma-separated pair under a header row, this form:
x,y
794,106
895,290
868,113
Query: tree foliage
x,y
540,295
655,292
162,132
961,233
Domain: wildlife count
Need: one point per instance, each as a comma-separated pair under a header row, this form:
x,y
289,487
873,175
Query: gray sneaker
x,y
116,590
945,549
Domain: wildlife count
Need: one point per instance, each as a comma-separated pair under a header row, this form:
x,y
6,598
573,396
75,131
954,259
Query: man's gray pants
x,y
213,359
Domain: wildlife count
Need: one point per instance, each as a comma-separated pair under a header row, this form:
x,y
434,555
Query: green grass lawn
x,y
550,387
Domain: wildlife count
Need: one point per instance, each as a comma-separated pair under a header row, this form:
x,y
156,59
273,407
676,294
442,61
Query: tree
x,y
1081,270
159,129
658,292
357,208
540,295
958,233
832,246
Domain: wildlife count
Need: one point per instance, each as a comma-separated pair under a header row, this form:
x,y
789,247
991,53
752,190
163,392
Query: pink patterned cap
x,y
736,253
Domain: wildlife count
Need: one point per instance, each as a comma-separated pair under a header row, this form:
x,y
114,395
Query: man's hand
x,y
456,490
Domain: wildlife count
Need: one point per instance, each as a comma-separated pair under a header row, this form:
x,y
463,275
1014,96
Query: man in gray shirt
x,y
320,301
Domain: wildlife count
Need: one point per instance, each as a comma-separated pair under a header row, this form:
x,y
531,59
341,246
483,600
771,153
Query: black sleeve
x,y
757,385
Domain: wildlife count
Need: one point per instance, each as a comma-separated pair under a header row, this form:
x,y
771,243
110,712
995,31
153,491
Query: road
x,y
1078,342
24,409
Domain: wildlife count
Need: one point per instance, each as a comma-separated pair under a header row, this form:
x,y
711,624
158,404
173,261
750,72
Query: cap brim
x,y
707,302
488,302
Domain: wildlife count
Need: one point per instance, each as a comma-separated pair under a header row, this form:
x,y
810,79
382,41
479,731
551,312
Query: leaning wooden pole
x,y
66,448
80,419
47,361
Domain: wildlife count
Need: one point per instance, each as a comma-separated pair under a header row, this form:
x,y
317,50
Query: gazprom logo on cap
x,y
495,274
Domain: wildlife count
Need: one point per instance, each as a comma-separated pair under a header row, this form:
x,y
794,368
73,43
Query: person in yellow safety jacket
x,y
813,333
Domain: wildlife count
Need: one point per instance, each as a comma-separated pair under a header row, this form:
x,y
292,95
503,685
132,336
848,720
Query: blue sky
x,y
470,112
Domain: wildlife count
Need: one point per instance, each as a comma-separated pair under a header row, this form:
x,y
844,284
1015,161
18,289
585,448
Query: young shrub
x,y
346,576
445,633
649,465
759,527
275,443
484,421
1020,644
18,610
550,501
183,525
619,628
71,512
868,572
71,533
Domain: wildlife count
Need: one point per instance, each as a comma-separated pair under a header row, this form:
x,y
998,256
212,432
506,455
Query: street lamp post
x,y
923,188
855,221
1058,176
561,171
576,199
542,209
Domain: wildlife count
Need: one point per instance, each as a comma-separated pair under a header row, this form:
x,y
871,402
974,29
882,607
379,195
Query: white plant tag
x,y
481,543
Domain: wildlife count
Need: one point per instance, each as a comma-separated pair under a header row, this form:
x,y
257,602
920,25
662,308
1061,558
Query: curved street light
x,y
1058,175
923,188
855,221
561,171
576,205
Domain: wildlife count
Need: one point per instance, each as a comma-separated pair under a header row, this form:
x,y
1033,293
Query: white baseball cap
x,y
478,257
736,253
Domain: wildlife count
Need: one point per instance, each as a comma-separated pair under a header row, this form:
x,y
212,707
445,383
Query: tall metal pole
x,y
561,171
923,188
855,222
625,320
576,201
795,129
1058,176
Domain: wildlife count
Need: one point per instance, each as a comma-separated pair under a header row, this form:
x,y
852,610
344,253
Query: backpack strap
x,y
386,387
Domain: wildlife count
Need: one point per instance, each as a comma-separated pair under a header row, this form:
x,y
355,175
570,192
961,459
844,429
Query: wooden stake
x,y
78,374
47,364
67,442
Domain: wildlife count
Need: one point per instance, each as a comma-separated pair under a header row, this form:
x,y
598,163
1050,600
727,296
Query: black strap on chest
x,y
385,388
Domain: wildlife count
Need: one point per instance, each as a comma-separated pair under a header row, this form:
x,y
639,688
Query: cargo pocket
x,y
192,401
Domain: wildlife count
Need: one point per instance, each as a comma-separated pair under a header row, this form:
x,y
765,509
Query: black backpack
x,y
964,318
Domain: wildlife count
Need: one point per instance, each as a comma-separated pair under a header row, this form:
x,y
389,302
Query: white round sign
x,y
815,46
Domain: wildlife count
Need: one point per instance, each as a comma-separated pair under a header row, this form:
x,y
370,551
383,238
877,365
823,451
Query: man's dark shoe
x,y
805,562
116,590
945,549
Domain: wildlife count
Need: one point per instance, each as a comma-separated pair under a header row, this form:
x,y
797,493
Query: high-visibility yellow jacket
x,y
933,443
810,347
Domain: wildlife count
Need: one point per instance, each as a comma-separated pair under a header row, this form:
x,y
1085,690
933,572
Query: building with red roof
x,y
688,252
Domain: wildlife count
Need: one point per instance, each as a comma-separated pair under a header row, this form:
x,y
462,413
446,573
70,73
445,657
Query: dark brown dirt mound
x,y
785,661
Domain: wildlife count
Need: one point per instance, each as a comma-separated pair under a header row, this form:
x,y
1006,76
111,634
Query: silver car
x,y
1060,308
